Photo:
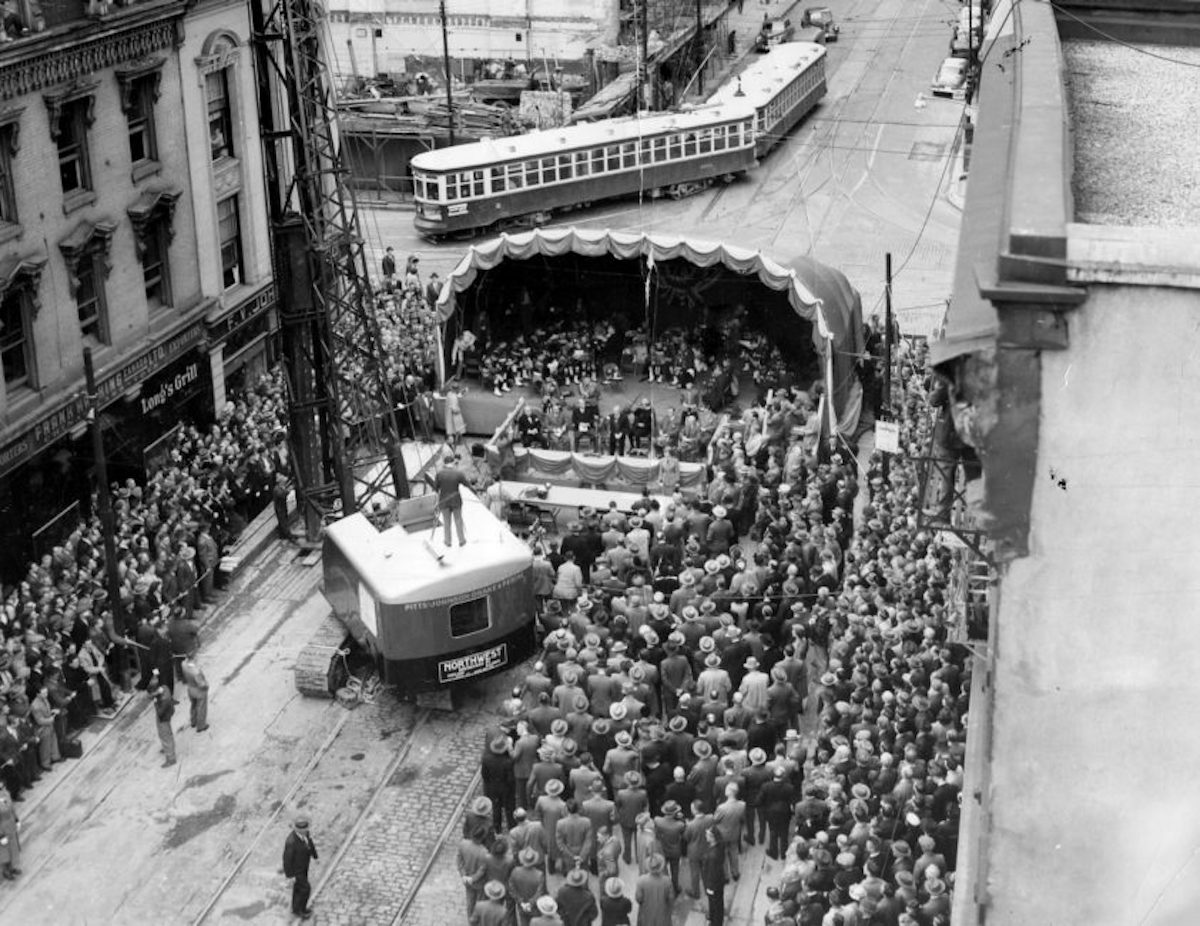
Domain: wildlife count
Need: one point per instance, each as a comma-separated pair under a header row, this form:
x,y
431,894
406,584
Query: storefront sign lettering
x,y
75,410
176,384
240,315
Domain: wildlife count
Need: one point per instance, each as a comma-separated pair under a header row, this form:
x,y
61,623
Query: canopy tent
x,y
819,294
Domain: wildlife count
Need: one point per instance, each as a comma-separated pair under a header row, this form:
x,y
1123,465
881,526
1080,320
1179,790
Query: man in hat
x,y
491,909
550,808
654,895
299,850
775,803
447,481
388,268
164,710
754,686
576,902
499,781
197,689
615,907
703,774
621,759
526,884
630,801
547,912
668,830
472,861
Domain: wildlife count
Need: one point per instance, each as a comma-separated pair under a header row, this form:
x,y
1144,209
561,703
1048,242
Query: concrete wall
x,y
1095,804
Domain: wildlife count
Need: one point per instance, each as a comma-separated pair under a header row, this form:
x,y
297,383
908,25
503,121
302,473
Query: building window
x,y
143,146
10,129
89,300
229,226
73,167
220,115
156,269
15,341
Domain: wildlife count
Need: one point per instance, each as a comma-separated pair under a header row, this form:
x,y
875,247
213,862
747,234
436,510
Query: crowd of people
x,y
66,656
738,669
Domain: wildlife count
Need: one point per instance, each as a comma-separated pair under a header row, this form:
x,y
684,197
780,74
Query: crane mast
x,y
343,434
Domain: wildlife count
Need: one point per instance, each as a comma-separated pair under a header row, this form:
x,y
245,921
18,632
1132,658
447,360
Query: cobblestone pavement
x,y
390,850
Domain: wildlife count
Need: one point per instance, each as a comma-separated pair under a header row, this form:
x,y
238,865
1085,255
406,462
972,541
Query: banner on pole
x,y
887,436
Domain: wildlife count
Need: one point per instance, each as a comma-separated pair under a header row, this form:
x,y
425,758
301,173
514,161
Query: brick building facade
x,y
132,221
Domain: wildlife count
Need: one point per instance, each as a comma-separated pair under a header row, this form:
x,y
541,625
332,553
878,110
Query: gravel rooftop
x,y
1134,121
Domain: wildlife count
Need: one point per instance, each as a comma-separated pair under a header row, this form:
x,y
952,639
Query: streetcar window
x,y
549,170
660,149
689,144
564,167
581,164
629,154
451,186
469,617
516,176
646,151
613,153
478,183
498,180
676,148
706,141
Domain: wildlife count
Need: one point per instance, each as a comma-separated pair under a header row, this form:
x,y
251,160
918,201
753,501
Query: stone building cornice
x,y
49,64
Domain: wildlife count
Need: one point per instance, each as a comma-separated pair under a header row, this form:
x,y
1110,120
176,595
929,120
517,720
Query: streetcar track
x,y
269,824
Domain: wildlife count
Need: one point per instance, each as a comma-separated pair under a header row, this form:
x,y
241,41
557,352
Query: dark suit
x,y
298,851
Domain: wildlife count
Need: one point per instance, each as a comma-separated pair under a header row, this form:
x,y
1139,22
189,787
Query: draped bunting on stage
x,y
559,464
808,284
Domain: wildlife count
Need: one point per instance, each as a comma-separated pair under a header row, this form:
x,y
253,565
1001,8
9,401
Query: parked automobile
x,y
951,78
822,18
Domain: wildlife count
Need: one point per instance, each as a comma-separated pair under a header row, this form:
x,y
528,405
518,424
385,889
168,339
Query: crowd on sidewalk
x,y
64,658
668,723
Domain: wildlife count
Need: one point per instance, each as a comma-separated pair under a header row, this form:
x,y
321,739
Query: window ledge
x,y
78,199
20,401
10,231
144,169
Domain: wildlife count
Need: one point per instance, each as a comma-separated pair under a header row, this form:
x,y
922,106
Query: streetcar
x,y
783,86
524,179
429,618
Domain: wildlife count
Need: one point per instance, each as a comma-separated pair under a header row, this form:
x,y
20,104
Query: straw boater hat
x,y
614,887
707,644
577,877
617,711
687,578
547,905
711,567
712,660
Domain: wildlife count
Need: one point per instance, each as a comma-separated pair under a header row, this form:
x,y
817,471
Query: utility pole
x,y
645,87
107,527
886,405
446,67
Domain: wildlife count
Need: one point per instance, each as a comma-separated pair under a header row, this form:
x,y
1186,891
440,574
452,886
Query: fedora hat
x,y
633,778
702,748
499,745
712,660
547,905
670,808
617,711
528,857
677,724
481,807
494,890
554,787
614,887
758,756
624,737
577,877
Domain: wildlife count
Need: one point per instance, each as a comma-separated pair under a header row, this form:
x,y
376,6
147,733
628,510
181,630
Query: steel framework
x,y
344,435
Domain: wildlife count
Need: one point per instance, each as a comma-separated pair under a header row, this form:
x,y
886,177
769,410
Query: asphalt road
x,y
872,170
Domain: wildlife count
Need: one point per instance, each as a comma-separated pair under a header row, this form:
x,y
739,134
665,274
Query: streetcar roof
x,y
770,73
401,566
585,135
